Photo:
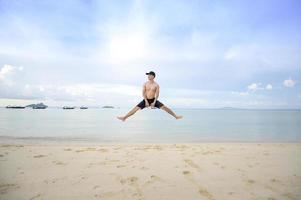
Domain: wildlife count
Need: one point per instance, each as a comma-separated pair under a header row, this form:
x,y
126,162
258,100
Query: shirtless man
x,y
150,94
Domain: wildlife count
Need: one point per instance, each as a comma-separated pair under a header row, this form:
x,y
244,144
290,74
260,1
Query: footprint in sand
x,y
87,149
95,187
153,179
36,196
103,150
230,193
4,188
287,195
120,193
21,172
290,196
274,180
120,166
59,163
201,190
132,182
39,156
250,182
186,172
144,168
150,147
90,165
205,193
207,152
80,179
128,180
192,164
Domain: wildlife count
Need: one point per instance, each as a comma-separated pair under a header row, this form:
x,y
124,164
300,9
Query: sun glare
x,y
126,48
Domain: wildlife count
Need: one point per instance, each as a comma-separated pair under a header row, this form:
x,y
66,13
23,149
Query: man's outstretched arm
x,y
144,95
157,93
144,92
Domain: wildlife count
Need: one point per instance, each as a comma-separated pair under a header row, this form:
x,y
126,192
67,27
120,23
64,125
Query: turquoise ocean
x,y
153,125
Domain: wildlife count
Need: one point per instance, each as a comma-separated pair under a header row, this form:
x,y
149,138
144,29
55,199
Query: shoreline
x,y
98,140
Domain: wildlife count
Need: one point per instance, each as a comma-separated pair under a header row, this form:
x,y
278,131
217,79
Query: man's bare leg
x,y
135,109
168,110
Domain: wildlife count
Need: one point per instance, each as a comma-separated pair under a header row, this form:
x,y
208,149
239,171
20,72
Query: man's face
x,y
150,77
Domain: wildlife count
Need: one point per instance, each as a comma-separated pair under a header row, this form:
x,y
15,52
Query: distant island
x,y
108,107
229,108
37,106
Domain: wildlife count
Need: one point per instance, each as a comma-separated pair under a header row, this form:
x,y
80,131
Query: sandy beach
x,y
150,171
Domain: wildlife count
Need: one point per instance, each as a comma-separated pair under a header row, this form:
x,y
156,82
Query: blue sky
x,y
206,54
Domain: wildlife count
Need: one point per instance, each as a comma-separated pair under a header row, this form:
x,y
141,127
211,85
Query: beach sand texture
x,y
187,171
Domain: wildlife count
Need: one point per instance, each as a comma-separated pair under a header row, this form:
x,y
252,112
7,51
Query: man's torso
x,y
150,89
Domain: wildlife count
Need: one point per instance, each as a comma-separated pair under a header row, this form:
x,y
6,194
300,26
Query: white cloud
x,y
5,70
14,87
258,86
255,86
269,87
7,73
289,83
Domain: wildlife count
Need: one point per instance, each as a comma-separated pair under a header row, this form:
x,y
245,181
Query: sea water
x,y
153,125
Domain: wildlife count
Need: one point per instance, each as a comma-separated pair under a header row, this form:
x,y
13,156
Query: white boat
x,y
68,107
15,107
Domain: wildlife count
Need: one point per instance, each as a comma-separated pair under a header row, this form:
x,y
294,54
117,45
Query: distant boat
x,y
108,107
16,107
68,107
83,107
37,106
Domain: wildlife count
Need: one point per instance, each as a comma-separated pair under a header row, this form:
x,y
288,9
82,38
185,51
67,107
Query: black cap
x,y
151,73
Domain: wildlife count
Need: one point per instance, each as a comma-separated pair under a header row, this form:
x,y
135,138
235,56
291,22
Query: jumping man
x,y
150,93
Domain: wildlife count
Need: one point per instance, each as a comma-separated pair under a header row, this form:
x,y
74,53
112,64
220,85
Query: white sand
x,y
151,171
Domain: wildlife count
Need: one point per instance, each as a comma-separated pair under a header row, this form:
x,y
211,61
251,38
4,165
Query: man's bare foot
x,y
121,118
179,117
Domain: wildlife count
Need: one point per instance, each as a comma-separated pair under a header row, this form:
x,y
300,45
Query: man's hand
x,y
153,105
146,103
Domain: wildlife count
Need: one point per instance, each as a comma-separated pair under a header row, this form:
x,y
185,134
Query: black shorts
x,y
158,104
